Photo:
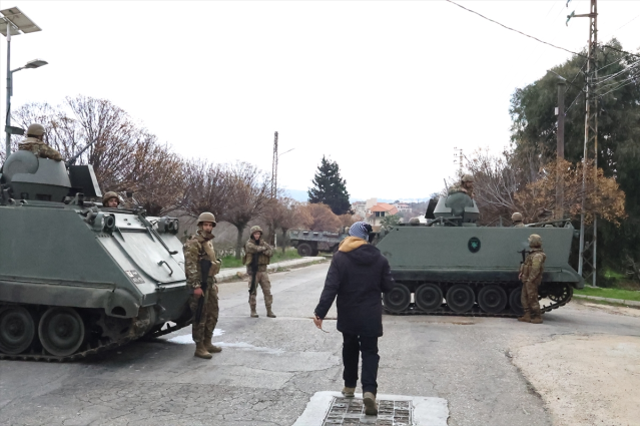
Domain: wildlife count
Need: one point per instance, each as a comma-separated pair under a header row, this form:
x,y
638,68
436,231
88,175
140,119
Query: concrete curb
x,y
605,299
227,274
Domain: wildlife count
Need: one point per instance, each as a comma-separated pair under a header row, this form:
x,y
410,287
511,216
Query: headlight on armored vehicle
x,y
168,224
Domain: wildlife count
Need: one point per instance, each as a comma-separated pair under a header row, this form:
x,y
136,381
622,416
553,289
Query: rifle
x,y
524,253
205,266
73,159
254,272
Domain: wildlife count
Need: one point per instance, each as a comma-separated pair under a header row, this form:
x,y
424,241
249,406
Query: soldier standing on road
x,y
257,256
111,199
358,275
516,218
531,276
465,185
197,248
34,143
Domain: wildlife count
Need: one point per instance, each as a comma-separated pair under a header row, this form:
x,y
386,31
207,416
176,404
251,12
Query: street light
x,y
14,22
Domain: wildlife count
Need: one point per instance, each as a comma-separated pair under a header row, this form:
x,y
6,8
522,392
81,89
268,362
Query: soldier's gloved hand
x,y
197,292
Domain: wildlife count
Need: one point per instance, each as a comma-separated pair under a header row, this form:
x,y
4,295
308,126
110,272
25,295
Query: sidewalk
x,y
227,274
605,299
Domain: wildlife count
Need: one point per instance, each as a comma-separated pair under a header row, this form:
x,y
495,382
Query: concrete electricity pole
x,y
588,249
274,168
560,149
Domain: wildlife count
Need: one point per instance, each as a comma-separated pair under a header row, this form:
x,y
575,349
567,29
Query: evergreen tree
x,y
329,188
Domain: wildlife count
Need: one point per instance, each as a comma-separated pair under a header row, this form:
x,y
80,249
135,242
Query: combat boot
x,y
348,392
254,314
370,404
212,349
525,318
201,351
270,313
536,320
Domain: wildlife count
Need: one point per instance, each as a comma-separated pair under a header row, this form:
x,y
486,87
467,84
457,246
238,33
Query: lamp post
x,y
36,63
14,22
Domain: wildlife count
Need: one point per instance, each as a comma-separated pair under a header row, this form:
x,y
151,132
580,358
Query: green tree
x,y
534,135
329,188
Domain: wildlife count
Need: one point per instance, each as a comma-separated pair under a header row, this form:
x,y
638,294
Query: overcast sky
x,y
386,89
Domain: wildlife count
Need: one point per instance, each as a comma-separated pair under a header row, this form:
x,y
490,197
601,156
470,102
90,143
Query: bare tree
x,y
250,189
206,187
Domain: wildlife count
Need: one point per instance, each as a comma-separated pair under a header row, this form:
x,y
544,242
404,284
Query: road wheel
x,y
515,301
304,249
460,298
492,299
398,299
428,297
17,329
61,331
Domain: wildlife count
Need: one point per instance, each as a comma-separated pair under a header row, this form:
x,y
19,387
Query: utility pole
x,y
457,158
560,150
586,266
274,168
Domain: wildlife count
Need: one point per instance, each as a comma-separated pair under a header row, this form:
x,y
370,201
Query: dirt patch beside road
x,y
585,380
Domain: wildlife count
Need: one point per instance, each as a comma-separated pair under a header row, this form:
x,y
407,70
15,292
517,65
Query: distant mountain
x,y
296,194
302,196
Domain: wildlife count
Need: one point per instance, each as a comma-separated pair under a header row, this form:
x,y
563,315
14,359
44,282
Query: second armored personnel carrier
x,y
75,277
310,243
453,266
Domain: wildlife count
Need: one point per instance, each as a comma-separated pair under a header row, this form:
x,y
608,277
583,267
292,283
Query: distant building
x,y
378,211
402,207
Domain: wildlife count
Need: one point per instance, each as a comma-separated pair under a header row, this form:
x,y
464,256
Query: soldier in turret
x,y
198,248
516,218
34,143
111,199
531,277
465,185
257,256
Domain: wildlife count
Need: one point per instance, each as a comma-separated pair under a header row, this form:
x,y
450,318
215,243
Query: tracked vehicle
x,y
451,266
77,278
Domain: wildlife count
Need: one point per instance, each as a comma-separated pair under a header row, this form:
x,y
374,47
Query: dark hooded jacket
x,y
358,275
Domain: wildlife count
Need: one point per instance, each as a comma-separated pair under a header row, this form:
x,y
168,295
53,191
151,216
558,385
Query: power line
x,y
616,49
512,29
574,101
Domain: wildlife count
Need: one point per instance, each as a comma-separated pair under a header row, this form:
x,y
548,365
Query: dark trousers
x,y
352,346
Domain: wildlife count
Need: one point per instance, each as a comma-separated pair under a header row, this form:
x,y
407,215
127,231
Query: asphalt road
x,y
270,368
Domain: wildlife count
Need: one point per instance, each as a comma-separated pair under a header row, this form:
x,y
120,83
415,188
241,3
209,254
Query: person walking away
x,y
201,266
257,256
358,274
531,277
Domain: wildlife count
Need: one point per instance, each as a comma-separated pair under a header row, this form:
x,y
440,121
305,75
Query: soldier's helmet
x,y
109,195
255,229
35,130
516,217
466,178
535,241
206,217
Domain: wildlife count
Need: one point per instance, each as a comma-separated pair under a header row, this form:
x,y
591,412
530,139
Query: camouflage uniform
x,y
461,187
194,251
516,218
531,272
265,251
39,148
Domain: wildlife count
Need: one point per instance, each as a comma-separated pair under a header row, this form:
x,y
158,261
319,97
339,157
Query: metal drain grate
x,y
350,411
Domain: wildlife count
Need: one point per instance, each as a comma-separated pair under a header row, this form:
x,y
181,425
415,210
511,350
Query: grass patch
x,y
289,254
610,293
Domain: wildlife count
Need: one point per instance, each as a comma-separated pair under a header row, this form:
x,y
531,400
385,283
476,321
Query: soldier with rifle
x,y
531,276
201,266
257,256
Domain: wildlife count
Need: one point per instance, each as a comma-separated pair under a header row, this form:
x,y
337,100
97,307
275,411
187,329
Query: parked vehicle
x,y
453,266
310,243
77,278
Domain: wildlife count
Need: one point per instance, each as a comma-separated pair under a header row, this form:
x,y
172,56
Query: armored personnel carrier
x,y
310,243
452,266
77,278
